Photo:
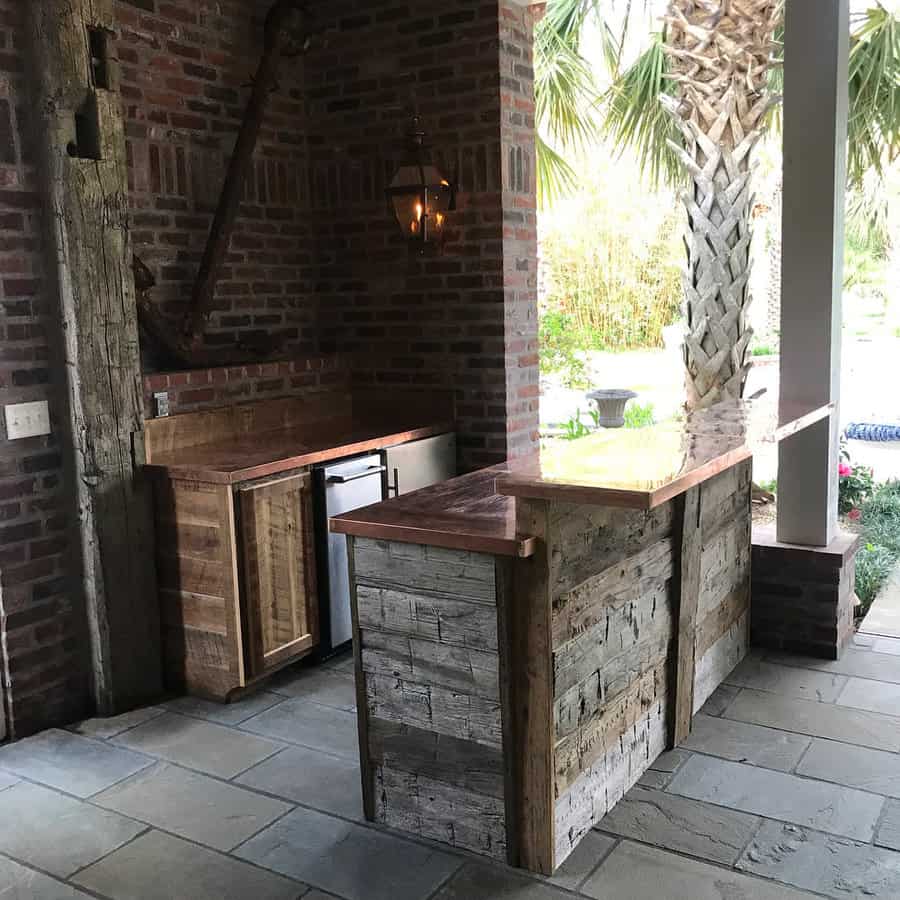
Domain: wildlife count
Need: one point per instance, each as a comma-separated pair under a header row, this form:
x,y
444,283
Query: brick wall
x,y
520,262
317,257
803,597
186,70
211,388
42,644
454,319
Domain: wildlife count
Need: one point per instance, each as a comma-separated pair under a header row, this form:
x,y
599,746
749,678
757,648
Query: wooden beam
x,y
527,674
285,34
688,506
366,770
84,186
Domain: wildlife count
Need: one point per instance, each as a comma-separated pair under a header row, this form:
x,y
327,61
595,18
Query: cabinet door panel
x,y
279,570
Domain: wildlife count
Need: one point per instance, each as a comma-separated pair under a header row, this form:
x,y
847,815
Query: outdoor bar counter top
x,y
529,638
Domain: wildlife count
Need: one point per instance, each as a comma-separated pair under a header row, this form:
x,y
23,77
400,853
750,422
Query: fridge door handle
x,y
365,473
395,487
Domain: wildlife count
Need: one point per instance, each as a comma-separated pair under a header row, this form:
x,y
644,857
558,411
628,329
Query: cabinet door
x,y
279,586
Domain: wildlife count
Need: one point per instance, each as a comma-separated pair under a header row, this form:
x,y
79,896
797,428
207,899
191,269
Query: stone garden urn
x,y
610,406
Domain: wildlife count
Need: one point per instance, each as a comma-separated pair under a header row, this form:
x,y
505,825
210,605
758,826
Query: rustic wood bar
x,y
236,563
530,638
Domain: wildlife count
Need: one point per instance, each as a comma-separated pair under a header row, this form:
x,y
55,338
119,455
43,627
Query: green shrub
x,y
881,517
855,486
574,428
874,564
880,520
611,260
560,347
771,486
639,415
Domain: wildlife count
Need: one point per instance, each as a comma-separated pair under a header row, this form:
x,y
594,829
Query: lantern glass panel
x,y
420,204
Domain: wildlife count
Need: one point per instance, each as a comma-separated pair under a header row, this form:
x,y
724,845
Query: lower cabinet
x,y
278,577
237,580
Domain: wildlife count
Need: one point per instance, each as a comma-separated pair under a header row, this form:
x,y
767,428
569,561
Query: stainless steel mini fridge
x,y
340,487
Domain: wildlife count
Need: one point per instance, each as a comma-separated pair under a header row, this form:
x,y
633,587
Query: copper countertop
x,y
644,468
465,513
636,469
269,453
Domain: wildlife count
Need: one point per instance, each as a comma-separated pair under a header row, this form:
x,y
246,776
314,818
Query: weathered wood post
x,y
84,181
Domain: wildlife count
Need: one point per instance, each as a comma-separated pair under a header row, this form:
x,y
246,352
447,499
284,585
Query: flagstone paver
x,y
743,742
814,861
776,795
775,762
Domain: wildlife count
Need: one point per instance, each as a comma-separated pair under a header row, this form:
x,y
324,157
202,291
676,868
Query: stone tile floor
x,y
788,787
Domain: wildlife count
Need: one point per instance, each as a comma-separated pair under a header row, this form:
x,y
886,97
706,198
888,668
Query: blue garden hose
x,y
859,431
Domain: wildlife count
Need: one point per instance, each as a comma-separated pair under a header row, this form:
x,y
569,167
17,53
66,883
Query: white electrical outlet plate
x,y
25,420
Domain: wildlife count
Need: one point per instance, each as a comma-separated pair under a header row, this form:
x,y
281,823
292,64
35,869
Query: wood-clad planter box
x,y
505,704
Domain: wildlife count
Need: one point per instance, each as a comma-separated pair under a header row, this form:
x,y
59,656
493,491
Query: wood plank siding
x,y
508,704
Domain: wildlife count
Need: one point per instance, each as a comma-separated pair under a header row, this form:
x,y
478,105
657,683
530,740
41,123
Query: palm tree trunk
x,y
721,52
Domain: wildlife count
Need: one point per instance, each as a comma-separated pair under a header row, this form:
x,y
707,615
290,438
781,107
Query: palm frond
x,y
868,215
874,121
555,176
564,88
566,95
567,17
635,119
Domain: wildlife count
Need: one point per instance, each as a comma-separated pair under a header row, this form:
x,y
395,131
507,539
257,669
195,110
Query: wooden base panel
x,y
507,705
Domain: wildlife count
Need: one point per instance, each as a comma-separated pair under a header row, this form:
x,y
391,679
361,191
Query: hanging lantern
x,y
420,195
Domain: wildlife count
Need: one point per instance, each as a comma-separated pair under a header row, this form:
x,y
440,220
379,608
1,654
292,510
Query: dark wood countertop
x,y
465,513
245,457
644,468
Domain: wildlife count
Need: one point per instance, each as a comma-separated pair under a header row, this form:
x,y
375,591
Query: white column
x,y
817,36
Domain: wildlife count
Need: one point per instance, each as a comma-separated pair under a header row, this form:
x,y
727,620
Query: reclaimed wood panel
x,y
721,635
587,540
720,659
725,563
579,609
464,764
640,613
600,786
434,570
523,733
201,612
435,708
446,620
624,585
449,665
428,688
690,579
191,574
197,571
578,751
279,579
414,803
575,708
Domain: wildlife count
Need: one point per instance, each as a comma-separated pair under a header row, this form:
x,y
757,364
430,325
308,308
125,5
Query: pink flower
x,y
854,515
844,470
